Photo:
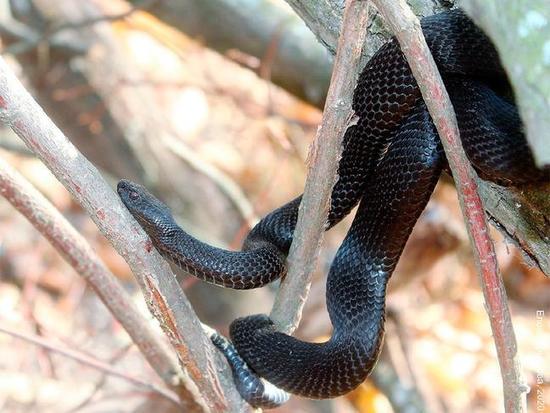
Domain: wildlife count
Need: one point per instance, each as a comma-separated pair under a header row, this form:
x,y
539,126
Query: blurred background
x,y
212,104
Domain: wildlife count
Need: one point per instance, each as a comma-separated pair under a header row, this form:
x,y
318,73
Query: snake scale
x,y
391,161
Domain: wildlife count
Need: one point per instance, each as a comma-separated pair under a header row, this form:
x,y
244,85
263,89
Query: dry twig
x,y
229,188
78,253
102,381
324,18
204,388
406,28
91,362
322,168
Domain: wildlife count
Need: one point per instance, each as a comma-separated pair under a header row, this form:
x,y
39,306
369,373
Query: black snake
x,y
392,159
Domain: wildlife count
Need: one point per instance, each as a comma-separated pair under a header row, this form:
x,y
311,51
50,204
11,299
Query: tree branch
x,y
300,63
324,18
520,31
324,156
406,28
162,293
230,189
78,253
523,217
31,39
297,51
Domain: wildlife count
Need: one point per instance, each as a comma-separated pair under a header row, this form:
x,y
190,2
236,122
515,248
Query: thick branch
x,y
324,18
520,30
276,36
523,218
78,253
162,292
406,28
324,156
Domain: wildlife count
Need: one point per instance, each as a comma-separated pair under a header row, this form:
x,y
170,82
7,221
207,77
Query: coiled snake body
x,y
391,161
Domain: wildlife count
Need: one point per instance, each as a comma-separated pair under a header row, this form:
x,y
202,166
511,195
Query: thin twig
x,y
324,19
322,168
406,28
399,354
78,253
208,385
91,362
31,38
402,398
102,380
231,190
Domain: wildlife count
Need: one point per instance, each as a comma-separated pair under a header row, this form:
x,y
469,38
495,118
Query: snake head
x,y
150,212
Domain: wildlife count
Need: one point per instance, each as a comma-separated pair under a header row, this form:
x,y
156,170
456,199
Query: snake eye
x,y
133,195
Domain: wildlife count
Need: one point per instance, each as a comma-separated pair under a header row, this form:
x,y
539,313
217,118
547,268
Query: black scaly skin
x,y
393,155
356,284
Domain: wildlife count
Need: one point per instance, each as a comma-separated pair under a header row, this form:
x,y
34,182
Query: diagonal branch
x,y
323,159
406,28
78,253
211,390
324,18
230,189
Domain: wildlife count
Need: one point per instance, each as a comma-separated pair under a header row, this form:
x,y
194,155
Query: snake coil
x,y
392,159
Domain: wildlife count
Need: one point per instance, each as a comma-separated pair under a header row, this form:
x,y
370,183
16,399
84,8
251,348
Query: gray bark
x,y
520,31
324,155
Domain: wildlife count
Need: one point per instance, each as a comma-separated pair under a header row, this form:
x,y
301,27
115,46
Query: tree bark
x,y
78,253
206,377
324,157
520,30
408,32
